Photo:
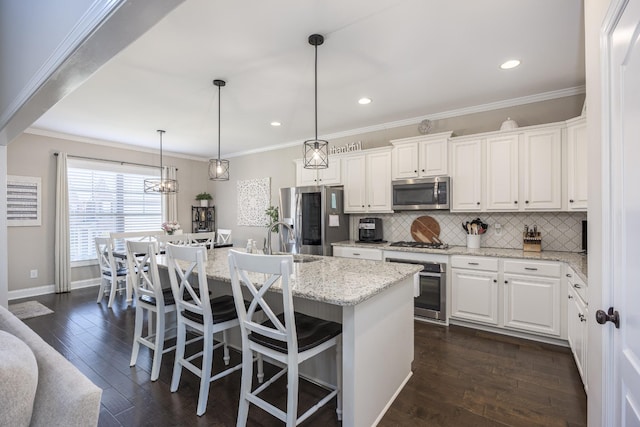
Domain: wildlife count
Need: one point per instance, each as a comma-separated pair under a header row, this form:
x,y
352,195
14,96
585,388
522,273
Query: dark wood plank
x,y
462,377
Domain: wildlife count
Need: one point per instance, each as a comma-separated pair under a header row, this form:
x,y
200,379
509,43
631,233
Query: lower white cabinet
x,y
509,294
577,314
474,295
358,253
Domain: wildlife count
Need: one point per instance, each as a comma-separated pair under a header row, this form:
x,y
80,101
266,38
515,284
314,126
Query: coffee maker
x,y
370,230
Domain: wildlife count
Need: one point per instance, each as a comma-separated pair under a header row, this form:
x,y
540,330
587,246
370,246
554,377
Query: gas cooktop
x,y
425,245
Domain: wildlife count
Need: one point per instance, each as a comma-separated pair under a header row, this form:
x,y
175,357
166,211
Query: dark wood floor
x,y
462,377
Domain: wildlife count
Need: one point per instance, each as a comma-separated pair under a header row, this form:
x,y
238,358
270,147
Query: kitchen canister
x,y
473,241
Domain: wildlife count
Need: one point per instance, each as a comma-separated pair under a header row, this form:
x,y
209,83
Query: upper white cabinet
x,y
577,164
367,181
542,169
517,170
420,156
329,176
466,175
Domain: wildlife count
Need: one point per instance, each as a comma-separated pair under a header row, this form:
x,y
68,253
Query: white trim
x,y
50,289
393,398
96,13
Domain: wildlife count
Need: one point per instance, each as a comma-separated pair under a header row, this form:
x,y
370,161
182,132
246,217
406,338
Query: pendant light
x,y
162,185
316,151
219,168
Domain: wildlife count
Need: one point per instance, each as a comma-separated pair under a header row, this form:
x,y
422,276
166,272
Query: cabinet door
x,y
576,328
542,173
577,166
405,161
434,159
354,176
306,177
466,175
331,175
474,295
378,182
532,304
502,173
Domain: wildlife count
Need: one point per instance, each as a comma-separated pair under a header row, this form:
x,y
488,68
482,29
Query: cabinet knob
x,y
569,296
363,206
569,275
417,171
506,281
478,203
526,202
495,280
422,170
570,200
515,202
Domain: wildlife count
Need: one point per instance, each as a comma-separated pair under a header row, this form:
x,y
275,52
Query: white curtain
x,y
170,201
61,246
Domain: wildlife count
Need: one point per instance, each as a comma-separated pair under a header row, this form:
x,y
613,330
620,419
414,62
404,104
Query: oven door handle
x,y
430,274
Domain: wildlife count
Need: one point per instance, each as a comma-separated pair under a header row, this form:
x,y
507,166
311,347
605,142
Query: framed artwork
x,y
254,197
24,201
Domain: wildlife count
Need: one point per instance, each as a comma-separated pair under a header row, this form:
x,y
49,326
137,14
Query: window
x,y
108,197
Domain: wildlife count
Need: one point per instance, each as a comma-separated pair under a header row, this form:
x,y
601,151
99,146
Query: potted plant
x,y
204,198
272,214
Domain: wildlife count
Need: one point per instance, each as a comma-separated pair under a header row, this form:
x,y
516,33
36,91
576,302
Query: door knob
x,y
611,316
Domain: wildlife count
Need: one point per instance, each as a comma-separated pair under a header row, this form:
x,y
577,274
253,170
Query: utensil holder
x,y
473,241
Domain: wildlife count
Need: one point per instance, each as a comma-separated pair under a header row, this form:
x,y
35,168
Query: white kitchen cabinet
x,y
357,253
420,156
367,181
576,164
474,289
577,314
328,176
541,159
503,177
466,175
532,295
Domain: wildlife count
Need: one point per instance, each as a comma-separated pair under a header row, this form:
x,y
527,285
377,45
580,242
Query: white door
x,y
623,137
542,169
466,175
378,182
502,173
354,176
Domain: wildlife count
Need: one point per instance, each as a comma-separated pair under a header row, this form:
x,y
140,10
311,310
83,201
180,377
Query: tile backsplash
x,y
561,231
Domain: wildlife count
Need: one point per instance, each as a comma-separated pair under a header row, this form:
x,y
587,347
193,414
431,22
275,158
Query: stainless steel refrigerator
x,y
317,217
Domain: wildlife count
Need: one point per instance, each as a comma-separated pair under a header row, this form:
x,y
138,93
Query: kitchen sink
x,y
303,258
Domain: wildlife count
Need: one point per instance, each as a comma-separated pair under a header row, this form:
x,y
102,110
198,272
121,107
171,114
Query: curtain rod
x,y
107,160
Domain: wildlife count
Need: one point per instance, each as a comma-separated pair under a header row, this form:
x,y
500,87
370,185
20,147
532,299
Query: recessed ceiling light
x,y
364,101
512,63
275,124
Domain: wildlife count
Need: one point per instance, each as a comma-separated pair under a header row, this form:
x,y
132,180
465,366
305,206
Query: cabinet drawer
x,y
577,284
360,253
475,263
549,269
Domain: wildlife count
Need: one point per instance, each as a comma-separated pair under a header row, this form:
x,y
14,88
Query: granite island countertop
x,y
576,260
338,281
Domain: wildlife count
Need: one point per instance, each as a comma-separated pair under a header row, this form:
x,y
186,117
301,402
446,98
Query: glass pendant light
x,y
316,151
219,168
162,185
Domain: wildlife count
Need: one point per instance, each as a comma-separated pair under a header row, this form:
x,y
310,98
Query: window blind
x,y
105,197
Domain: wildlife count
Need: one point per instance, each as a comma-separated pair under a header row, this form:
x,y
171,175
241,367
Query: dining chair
x,y
176,239
289,338
152,298
110,272
224,236
197,312
206,239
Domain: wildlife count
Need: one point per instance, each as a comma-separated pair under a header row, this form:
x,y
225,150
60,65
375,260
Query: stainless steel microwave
x,y
422,194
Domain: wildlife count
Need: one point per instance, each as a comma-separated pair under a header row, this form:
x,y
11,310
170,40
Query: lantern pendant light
x,y
219,168
162,185
316,151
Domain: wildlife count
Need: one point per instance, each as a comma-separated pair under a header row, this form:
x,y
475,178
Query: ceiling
x,y
413,58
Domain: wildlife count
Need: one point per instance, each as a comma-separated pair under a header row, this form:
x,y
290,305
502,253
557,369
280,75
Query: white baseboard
x,y
50,289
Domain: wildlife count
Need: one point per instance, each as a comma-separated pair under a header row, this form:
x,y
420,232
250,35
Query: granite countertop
x,y
338,281
576,260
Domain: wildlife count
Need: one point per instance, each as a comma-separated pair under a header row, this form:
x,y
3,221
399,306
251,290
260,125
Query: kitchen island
x,y
374,303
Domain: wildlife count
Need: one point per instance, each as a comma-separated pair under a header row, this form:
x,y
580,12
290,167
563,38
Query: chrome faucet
x,y
267,248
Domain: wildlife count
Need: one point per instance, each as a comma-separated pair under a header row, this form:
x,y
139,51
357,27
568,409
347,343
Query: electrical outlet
x,y
498,228
34,274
